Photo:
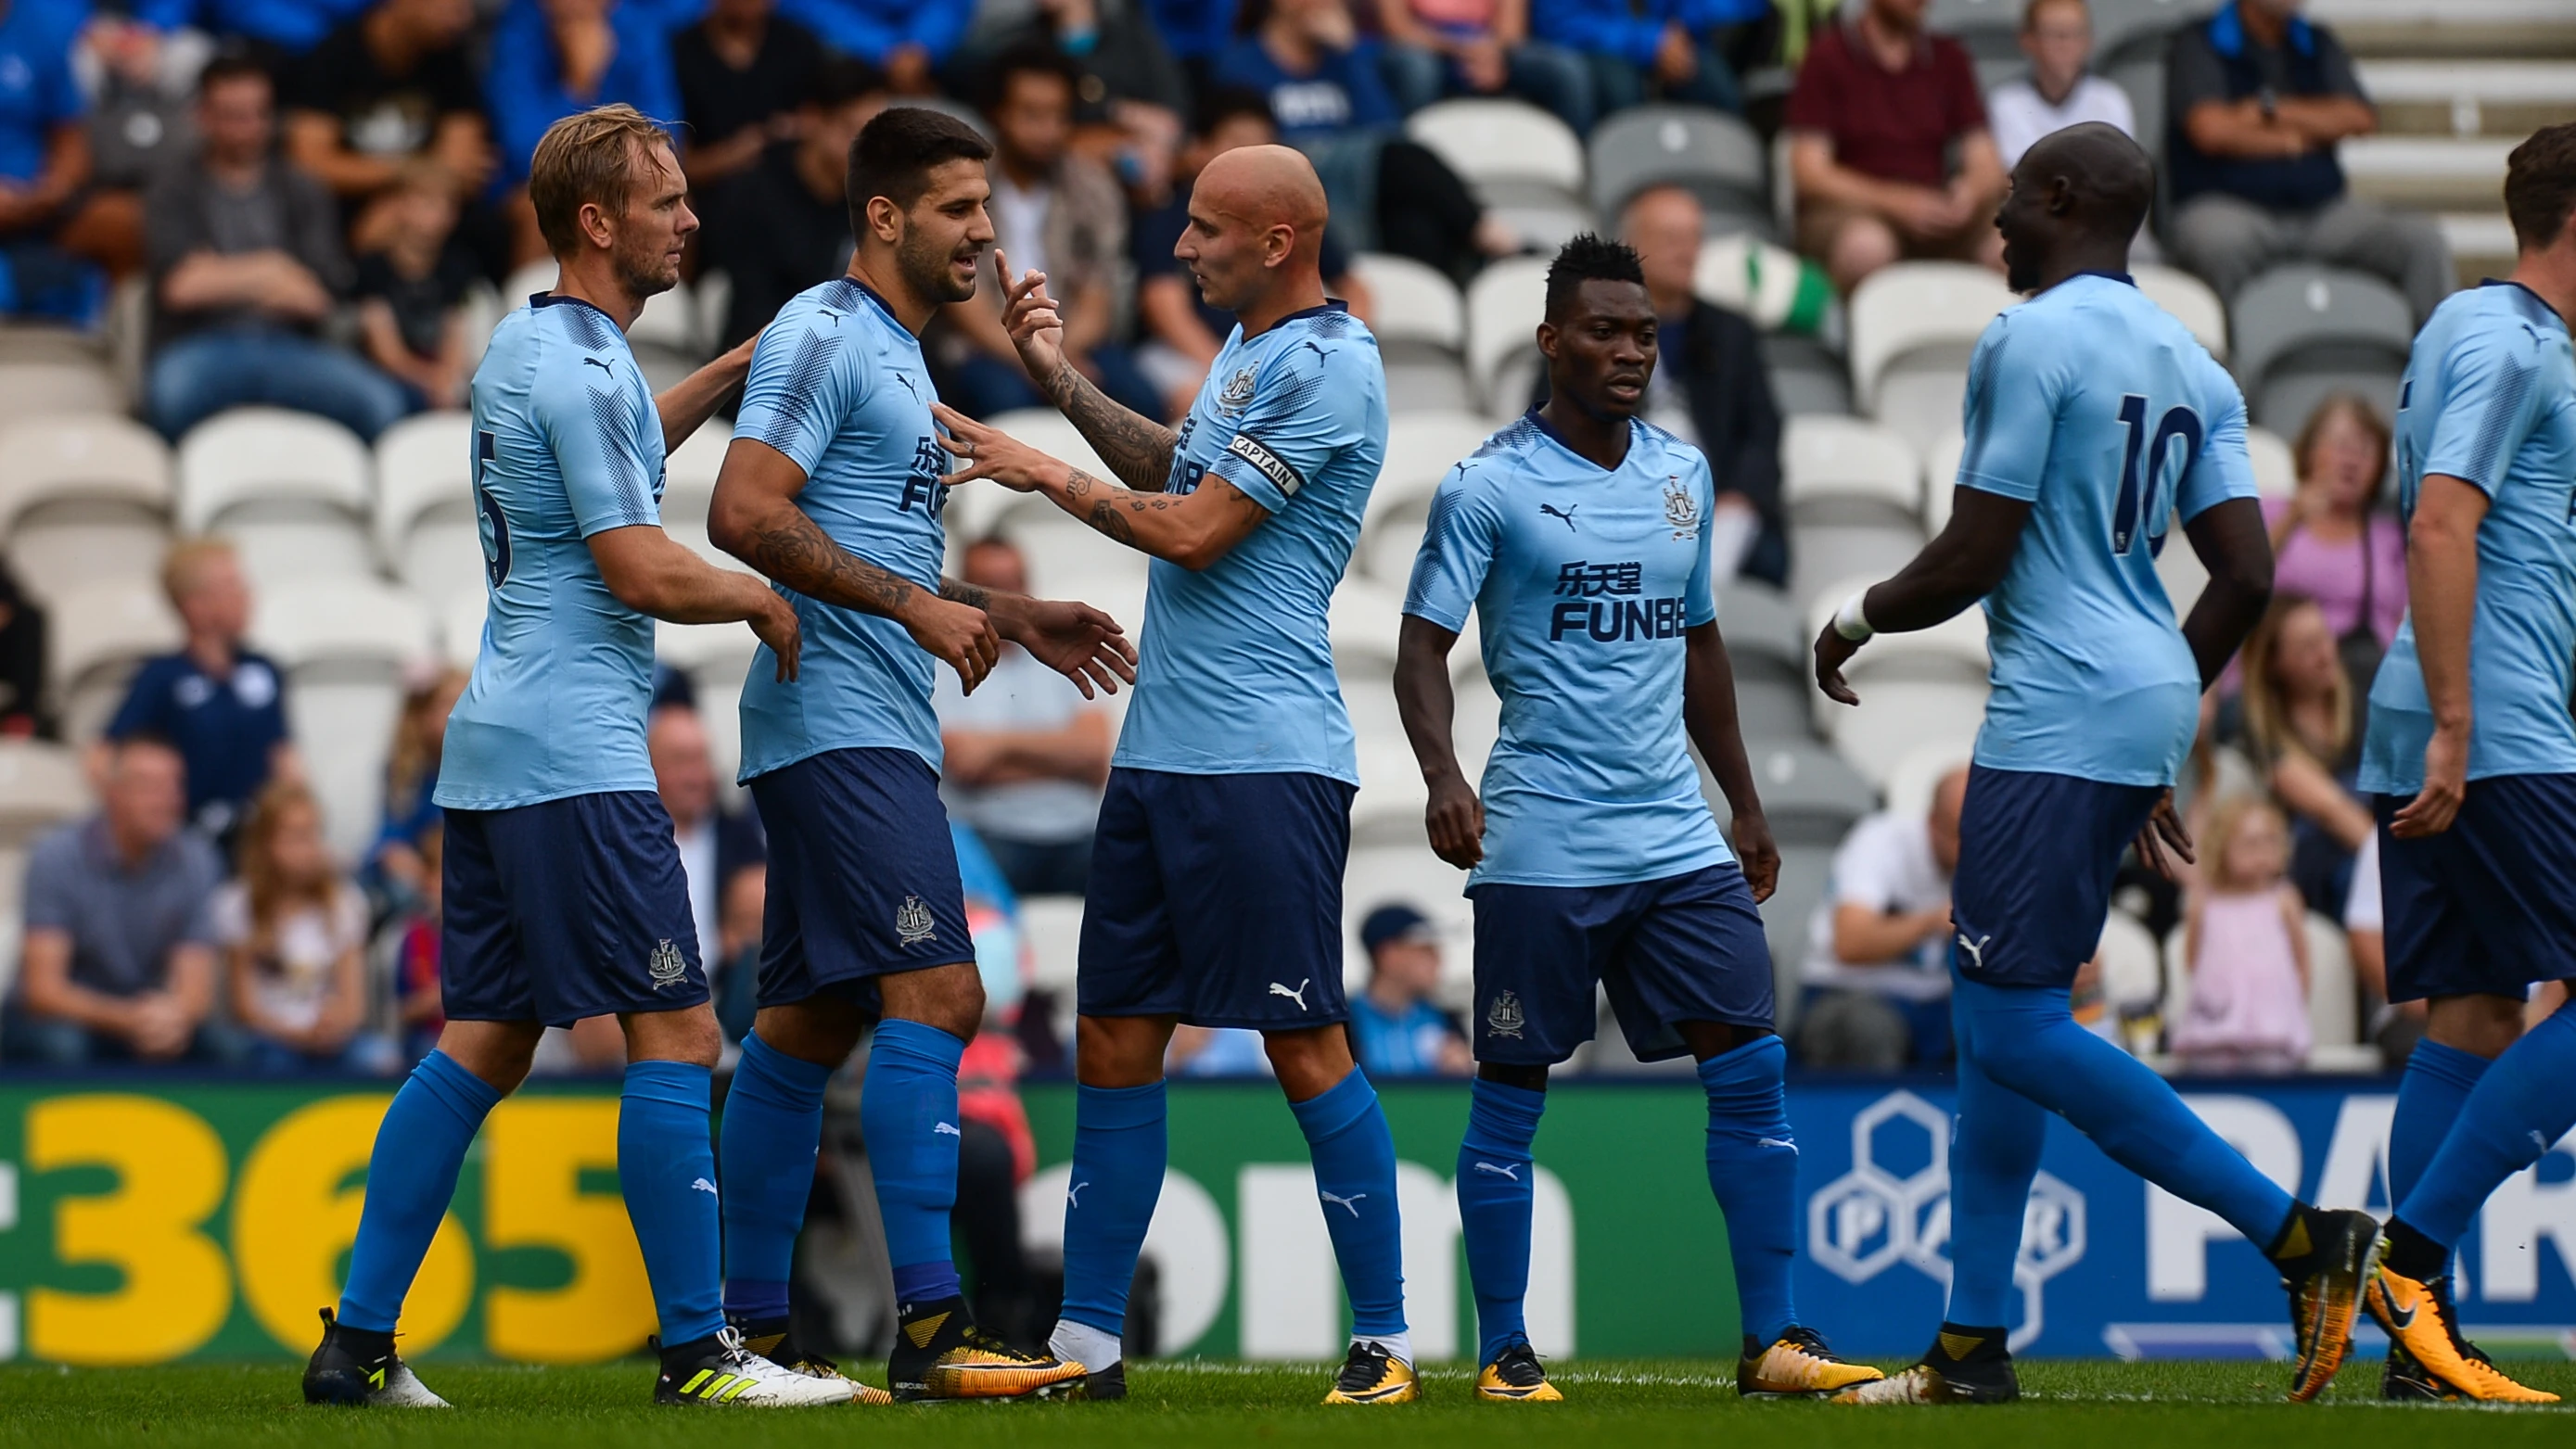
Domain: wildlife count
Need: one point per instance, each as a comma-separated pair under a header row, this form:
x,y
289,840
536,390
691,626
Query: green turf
x,y
2080,1405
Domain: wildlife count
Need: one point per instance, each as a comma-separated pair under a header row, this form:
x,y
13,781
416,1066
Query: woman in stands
x,y
2330,544
2296,722
293,931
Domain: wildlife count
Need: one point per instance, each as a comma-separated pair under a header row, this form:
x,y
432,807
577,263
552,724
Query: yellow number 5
x,y
536,1149
170,1171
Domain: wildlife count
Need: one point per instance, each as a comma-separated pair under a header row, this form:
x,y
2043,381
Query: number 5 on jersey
x,y
495,528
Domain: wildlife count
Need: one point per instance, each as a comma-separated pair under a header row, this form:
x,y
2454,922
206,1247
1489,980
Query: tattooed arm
x,y
1136,448
1193,530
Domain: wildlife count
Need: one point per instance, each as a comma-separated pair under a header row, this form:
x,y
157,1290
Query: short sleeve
x,y
1458,544
799,389
2335,69
1863,873
596,433
2194,74
2223,469
51,903
1966,104
228,914
61,90
348,918
1699,596
145,701
2489,383
2009,414
1306,406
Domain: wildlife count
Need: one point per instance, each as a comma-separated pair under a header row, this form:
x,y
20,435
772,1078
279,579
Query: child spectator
x,y
292,932
2246,947
411,293
420,1002
2057,35
411,774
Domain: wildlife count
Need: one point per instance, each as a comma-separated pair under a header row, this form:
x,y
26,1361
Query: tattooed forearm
x,y
1105,517
791,548
963,593
1136,448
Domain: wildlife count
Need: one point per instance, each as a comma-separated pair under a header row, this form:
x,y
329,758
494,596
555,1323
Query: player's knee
x,y
1117,1052
687,1035
1528,1079
498,1053
949,998
1310,1062
821,1030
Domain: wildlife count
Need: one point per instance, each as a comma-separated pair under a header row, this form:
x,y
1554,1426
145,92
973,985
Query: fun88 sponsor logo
x,y
1603,602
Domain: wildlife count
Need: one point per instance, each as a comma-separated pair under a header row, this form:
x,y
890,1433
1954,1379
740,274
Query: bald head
x,y
2108,176
1267,186
1256,232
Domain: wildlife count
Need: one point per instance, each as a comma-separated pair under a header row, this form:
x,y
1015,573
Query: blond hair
x,y
185,564
2232,813
2267,720
590,157
270,893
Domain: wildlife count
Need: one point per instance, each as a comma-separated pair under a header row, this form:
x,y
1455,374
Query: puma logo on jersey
x,y
602,366
1566,513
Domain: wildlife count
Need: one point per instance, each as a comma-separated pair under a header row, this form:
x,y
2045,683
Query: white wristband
x,y
1848,621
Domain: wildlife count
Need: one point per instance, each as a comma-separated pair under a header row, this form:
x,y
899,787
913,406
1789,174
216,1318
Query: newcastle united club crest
x,y
1503,1016
1680,509
667,966
912,923
1236,395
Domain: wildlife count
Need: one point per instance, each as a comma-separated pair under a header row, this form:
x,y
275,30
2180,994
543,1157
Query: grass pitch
x,y
2081,1405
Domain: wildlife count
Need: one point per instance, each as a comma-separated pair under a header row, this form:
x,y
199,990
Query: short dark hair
x,y
2540,185
1220,104
894,154
1034,55
232,63
841,79
1589,258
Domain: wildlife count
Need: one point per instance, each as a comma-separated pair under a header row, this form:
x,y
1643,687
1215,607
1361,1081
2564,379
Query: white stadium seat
x,y
345,645
83,498
1421,448
1851,489
689,474
1941,478
292,490
1411,875
1915,777
1913,326
2276,473
460,628
1420,323
57,388
1924,688
41,786
1522,162
2189,300
1505,304
2132,967
100,633
426,526
1052,927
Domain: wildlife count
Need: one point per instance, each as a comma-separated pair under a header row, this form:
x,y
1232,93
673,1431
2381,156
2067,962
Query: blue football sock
x,y
2430,1097
1354,1156
1494,1195
2518,1111
1753,1169
1994,1154
773,1122
666,1166
410,1176
908,1110
1119,1149
2026,1039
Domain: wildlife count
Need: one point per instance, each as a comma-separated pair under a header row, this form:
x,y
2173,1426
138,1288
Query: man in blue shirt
x,y
1580,538
1250,512
532,80
2472,755
2092,418
564,896
1394,1026
832,487
222,705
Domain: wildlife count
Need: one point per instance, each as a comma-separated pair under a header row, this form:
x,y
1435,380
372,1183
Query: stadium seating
x,y
2334,1003
1769,652
41,786
460,628
717,658
1420,323
1716,156
426,526
1913,326
1421,448
345,645
1916,775
57,388
1927,687
1522,162
1505,304
1378,874
2132,967
83,497
1812,798
2190,301
100,633
1852,490
293,491
689,474
2305,331
1806,377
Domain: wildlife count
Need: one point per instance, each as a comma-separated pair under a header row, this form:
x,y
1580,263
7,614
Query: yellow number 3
x,y
170,1171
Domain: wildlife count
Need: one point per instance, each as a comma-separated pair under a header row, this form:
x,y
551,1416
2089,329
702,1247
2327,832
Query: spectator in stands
x,y
387,102
142,90
411,815
744,74
551,58
716,844
420,1001
1131,95
2299,722
1327,99
1661,50
411,293
246,260
735,976
22,662
2245,945
907,39
1396,1031
1880,108
1877,972
50,219
1179,334
1026,754
1053,212
2330,542
294,934
1711,389
785,224
220,704
1437,48
1195,31
289,27
2057,35
118,962
2260,96
996,1151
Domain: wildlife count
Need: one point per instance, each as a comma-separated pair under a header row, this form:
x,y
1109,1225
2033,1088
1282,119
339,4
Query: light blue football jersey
x,y
2490,398
837,384
1583,582
2093,405
566,443
1235,669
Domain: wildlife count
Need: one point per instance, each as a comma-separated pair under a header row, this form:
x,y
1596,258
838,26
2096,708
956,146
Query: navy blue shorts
x,y
2488,906
862,875
2037,854
1685,948
1217,899
566,909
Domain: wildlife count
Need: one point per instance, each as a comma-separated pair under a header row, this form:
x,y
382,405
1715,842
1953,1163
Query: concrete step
x,y
2471,97
2421,29
2448,173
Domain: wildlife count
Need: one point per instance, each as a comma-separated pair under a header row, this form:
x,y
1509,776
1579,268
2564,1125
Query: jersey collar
x,y
558,299
879,302
1331,304
2227,34
2531,302
1537,418
2121,277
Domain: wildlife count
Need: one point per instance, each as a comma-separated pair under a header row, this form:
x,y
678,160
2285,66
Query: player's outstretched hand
x,y
988,452
1079,642
1455,819
777,626
1761,858
2446,783
2163,836
1033,319
1833,651
960,634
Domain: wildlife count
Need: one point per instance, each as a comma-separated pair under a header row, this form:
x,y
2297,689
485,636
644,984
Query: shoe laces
x,y
974,1337
1517,1365
1364,1369
1806,1342
740,1359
